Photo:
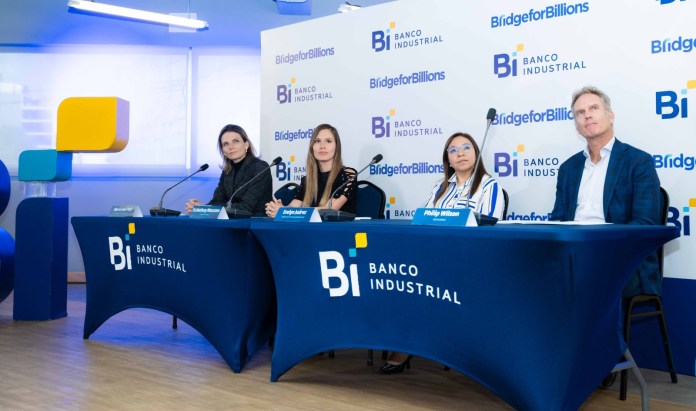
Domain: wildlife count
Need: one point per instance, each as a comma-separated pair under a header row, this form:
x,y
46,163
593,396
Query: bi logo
x,y
121,256
506,165
333,266
381,40
284,92
670,105
682,222
381,126
506,64
283,171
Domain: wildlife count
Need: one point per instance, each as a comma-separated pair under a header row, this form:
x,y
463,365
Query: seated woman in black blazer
x,y
240,165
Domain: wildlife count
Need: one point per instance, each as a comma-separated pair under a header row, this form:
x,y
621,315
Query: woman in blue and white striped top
x,y
459,160
456,188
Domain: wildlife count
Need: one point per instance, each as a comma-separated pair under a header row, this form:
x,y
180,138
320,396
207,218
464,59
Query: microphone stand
x,y
329,214
481,219
160,211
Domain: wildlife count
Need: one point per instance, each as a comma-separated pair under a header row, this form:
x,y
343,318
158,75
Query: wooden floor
x,y
135,361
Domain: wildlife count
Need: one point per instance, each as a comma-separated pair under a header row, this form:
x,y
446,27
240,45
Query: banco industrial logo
x,y
392,38
393,211
682,220
390,125
385,276
517,164
302,55
533,116
671,104
293,135
541,63
407,79
286,171
123,253
294,92
535,15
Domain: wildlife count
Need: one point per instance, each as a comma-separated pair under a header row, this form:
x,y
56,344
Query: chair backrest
x,y
664,212
506,198
286,193
371,200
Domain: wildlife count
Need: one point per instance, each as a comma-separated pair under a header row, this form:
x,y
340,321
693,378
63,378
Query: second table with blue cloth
x,y
530,311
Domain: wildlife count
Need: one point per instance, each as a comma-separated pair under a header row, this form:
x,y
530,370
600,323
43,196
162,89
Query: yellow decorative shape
x,y
692,202
93,124
520,148
131,228
520,47
360,240
392,112
392,24
691,84
392,200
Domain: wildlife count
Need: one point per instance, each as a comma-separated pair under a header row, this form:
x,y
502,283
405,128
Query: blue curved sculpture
x,y
7,244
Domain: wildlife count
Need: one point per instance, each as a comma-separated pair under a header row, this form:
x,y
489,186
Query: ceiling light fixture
x,y
138,14
345,8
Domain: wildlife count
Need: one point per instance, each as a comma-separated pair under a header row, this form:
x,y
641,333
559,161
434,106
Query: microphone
x,y
160,211
329,214
237,213
482,219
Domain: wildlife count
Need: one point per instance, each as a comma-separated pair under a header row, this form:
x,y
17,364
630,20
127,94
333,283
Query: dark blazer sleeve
x,y
632,187
567,185
254,196
219,195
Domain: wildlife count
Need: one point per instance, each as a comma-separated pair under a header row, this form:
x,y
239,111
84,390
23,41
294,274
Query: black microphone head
x,y
203,167
376,159
276,161
491,114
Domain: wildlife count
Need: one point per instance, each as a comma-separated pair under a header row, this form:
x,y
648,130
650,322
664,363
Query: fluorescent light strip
x,y
138,14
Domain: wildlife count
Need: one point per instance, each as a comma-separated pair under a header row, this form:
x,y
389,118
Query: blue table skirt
x,y
530,311
212,274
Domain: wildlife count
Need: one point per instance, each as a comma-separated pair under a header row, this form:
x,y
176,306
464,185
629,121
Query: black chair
x,y
506,198
286,193
653,304
371,200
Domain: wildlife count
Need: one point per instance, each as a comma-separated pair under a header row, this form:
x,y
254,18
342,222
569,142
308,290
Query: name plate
x,y
459,217
298,215
209,212
125,211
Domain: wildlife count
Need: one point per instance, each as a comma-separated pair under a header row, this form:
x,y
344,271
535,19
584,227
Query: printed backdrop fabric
x,y
401,77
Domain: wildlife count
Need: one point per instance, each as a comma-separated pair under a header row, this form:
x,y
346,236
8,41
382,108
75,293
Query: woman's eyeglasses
x,y
455,149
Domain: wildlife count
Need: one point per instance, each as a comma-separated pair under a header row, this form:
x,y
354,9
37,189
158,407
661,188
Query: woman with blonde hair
x,y
325,174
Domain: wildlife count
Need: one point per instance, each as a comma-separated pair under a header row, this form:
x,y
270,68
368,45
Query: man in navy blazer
x,y
609,181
